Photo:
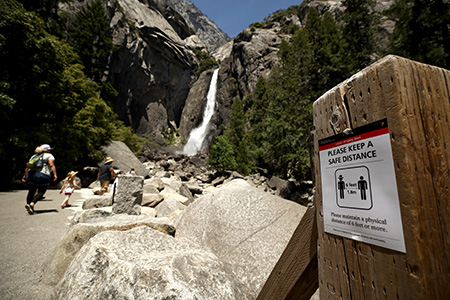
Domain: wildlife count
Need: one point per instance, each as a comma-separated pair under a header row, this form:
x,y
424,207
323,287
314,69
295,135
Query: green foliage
x,y
280,109
206,61
289,28
257,25
90,34
291,10
47,98
361,23
221,155
422,31
206,64
237,137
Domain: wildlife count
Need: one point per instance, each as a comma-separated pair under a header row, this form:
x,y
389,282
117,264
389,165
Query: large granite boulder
x,y
244,226
124,158
86,225
143,263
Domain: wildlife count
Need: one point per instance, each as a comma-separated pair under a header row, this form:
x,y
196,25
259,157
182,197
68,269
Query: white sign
x,y
359,189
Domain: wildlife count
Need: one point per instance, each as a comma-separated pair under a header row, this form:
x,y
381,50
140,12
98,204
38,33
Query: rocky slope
x,y
204,28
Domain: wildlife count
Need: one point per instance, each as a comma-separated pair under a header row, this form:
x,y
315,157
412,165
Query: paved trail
x,y
26,241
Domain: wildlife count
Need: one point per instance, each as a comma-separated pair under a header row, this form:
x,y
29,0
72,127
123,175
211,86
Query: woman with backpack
x,y
38,173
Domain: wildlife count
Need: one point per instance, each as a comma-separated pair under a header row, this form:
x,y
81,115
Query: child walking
x,y
68,187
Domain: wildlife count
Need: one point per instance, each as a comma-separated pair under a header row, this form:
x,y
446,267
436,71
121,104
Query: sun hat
x,y
46,147
108,160
71,174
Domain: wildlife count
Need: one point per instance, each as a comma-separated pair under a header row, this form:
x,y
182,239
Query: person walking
x,y
38,175
68,187
104,175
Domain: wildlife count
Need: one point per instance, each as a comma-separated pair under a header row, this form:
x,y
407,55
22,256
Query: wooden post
x,y
295,274
415,99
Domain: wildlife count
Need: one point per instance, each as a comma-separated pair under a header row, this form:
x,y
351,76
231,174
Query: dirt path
x,y
26,241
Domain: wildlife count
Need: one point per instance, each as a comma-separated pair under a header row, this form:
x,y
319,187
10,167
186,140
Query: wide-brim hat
x,y
72,174
108,160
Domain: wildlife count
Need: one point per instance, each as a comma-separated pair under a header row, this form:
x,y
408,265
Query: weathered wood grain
x,y
295,274
415,98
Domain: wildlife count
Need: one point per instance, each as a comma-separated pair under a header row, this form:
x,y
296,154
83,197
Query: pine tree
x,y
90,35
361,23
422,31
280,113
221,155
237,136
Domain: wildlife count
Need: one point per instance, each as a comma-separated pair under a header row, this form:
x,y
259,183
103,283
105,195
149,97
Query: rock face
x,y
151,71
192,115
153,63
204,28
245,227
143,263
253,54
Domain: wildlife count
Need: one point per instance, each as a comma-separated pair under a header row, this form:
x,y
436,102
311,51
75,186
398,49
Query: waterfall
x,y
197,135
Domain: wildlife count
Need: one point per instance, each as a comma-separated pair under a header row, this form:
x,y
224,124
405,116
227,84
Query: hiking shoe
x,y
29,209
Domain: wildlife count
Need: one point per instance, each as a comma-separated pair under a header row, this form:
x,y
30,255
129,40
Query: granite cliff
x,y
155,62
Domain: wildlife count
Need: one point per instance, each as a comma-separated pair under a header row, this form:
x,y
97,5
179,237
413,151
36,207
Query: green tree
x,y
47,97
46,9
237,137
221,155
90,35
360,25
258,106
280,109
422,31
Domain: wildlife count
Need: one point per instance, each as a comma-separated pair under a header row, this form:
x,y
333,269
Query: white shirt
x,y
46,168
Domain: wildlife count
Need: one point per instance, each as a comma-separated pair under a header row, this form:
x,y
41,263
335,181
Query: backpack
x,y
36,162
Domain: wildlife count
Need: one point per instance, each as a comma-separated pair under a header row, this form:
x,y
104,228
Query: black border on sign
x,y
368,181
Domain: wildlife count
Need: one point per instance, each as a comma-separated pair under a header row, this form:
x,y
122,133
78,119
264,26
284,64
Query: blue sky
x,y
233,16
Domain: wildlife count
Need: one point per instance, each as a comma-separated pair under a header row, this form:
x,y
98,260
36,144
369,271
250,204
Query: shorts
x,y
38,178
105,185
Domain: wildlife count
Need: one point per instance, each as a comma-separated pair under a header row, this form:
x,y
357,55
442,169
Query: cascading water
x,y
197,135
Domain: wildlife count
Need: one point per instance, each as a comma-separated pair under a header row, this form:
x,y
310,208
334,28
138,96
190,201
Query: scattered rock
x,y
168,206
96,202
151,200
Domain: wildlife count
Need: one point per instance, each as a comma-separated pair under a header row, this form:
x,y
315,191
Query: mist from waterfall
x,y
197,135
